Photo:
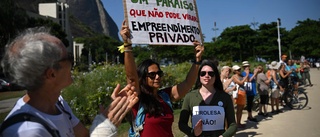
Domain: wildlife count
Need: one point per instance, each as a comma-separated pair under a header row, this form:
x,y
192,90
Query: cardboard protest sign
x,y
163,22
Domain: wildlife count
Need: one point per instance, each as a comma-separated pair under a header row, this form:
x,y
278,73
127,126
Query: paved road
x,y
290,123
6,105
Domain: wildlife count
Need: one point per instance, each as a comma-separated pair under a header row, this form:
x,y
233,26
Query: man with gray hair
x,y
39,62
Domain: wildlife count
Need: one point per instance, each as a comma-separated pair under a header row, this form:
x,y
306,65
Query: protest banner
x,y
163,22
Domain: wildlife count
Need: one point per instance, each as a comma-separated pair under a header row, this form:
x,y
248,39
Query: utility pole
x,y
106,57
89,56
254,24
279,41
215,31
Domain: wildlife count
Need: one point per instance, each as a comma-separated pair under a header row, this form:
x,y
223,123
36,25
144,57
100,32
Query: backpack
x,y
24,116
137,125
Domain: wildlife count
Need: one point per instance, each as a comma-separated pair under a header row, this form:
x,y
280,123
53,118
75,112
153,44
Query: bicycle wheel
x,y
287,98
256,103
299,101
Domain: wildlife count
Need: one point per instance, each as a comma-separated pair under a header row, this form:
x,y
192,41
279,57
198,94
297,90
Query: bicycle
x,y
293,100
256,103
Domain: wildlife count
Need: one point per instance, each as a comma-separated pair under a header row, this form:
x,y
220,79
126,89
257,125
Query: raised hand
x,y
125,32
198,49
123,101
126,91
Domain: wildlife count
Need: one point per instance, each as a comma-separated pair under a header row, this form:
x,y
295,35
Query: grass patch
x,y
11,94
3,116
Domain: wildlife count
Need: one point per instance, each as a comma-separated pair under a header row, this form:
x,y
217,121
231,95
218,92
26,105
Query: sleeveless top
x,y
273,83
284,81
231,85
241,87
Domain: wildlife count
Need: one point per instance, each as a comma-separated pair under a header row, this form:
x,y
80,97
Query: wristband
x,y
197,62
127,45
121,48
127,50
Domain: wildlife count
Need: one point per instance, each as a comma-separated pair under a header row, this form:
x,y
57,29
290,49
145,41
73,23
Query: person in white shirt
x,y
39,62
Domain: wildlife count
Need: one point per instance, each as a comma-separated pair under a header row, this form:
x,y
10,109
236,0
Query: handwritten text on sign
x,y
212,117
163,22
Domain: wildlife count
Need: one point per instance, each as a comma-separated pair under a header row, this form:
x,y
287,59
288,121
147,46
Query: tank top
x,y
273,83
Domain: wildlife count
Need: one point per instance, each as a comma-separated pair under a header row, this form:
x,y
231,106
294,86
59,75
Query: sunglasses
x,y
68,58
203,73
152,75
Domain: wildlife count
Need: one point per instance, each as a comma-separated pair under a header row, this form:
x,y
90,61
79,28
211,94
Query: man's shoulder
x,y
26,128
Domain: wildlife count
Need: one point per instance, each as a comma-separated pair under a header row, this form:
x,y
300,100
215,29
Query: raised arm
x,y
255,72
237,81
180,90
130,65
281,72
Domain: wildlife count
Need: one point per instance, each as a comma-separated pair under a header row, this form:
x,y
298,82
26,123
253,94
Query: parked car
x,y
5,85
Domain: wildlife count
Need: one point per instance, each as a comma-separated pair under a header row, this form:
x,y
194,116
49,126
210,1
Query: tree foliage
x,y
236,43
306,38
12,21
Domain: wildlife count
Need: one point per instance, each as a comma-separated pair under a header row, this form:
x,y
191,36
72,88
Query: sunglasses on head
x,y
203,73
152,75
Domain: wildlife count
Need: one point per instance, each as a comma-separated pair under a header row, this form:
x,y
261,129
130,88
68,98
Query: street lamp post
x,y
279,41
118,60
106,57
215,31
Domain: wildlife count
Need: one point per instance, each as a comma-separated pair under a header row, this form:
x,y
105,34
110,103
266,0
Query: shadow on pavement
x,y
247,134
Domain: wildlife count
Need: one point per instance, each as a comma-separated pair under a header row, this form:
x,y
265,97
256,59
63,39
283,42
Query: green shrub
x,y
90,89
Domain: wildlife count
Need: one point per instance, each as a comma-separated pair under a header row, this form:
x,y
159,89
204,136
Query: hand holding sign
x,y
198,50
198,128
125,32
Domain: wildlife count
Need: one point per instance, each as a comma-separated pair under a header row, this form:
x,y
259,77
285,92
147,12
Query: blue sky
x,y
228,13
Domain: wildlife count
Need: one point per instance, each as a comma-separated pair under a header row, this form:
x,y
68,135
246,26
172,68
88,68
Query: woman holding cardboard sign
x,y
153,115
208,105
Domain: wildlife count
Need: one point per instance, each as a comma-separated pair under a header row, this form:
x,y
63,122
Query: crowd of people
x,y
39,62
269,84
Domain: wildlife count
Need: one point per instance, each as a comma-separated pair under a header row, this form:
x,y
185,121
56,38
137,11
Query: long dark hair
x,y
217,84
147,99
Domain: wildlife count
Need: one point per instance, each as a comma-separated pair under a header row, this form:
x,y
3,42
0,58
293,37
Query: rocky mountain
x,y
93,14
83,13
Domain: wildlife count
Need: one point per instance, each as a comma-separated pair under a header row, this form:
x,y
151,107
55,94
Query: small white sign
x,y
212,117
